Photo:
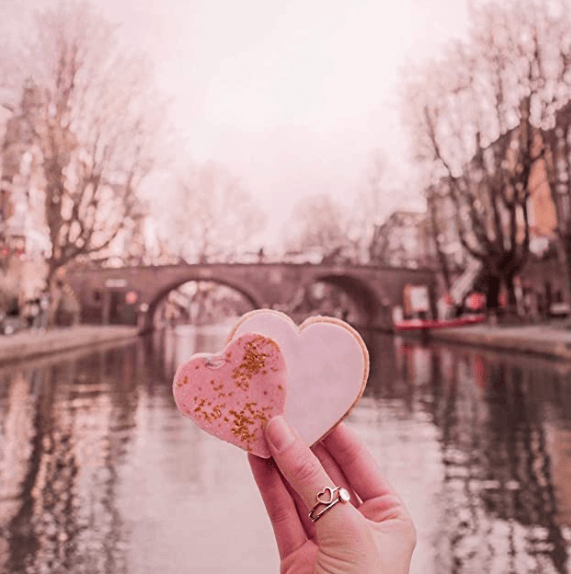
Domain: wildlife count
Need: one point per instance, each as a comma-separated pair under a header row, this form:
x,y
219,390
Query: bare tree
x,y
93,116
211,216
437,228
478,116
371,206
379,197
558,172
319,224
403,240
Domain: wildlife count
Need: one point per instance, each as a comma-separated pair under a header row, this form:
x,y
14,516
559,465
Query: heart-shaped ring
x,y
336,494
327,490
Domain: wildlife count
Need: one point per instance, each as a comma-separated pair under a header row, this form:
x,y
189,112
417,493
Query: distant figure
x,y
261,255
31,311
41,322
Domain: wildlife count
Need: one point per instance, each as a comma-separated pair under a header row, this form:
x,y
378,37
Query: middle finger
x,y
335,472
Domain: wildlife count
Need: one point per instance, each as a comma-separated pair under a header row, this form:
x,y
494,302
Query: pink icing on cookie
x,y
327,363
234,394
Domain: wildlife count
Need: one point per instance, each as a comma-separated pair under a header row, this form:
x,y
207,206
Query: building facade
x,y
24,238
403,240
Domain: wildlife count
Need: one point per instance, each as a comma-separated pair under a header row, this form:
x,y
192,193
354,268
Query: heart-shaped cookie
x,y
327,363
234,394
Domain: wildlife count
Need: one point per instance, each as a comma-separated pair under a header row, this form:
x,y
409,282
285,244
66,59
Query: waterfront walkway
x,y
32,343
546,340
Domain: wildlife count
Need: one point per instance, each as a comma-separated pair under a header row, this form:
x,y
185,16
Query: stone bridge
x,y
137,291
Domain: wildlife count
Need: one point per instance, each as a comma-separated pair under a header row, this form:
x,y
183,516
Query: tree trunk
x,y
435,233
54,292
446,276
512,299
564,250
493,293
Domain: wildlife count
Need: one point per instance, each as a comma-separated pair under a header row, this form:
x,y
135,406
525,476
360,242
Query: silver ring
x,y
326,499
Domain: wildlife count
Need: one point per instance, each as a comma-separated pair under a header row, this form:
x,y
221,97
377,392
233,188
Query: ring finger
x,y
334,472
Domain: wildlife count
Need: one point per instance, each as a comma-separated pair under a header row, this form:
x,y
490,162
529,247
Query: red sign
x,y
476,301
131,297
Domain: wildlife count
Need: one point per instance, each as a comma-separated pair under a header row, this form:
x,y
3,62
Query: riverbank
x,y
27,344
545,340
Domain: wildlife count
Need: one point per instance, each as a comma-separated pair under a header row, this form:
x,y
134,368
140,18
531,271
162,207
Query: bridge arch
x,y
252,298
372,290
369,303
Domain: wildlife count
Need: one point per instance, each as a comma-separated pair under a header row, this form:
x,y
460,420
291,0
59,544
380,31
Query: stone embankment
x,y
545,340
27,344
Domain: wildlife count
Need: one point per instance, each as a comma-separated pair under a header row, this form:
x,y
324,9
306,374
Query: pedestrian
x,y
43,305
30,311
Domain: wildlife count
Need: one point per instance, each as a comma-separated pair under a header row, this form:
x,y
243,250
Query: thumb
x,y
303,471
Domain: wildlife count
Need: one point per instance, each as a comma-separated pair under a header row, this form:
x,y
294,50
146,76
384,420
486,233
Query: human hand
x,y
373,534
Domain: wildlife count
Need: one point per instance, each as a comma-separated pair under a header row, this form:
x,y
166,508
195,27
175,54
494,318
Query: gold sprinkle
x,y
183,382
253,362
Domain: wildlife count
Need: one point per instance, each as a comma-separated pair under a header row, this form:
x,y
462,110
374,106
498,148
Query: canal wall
x,y
27,344
544,340
540,340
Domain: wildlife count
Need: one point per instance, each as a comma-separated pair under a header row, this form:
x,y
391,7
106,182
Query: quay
x,y
545,340
31,343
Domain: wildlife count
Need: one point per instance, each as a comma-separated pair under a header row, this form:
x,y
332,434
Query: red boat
x,y
428,324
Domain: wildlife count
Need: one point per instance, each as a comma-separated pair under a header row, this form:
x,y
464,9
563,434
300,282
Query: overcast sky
x,y
293,96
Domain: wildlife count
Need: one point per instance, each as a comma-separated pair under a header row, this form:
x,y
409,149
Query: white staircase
x,y
464,284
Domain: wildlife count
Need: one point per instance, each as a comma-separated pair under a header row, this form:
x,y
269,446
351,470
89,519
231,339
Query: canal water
x,y
99,474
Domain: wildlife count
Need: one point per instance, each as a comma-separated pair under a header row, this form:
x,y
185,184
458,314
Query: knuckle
x,y
350,455
305,468
280,513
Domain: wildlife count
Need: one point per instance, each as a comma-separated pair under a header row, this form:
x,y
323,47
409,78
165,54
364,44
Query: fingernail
x,y
279,434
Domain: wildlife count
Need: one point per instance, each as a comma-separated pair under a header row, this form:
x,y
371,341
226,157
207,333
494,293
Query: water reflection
x,y
503,502
100,474
63,434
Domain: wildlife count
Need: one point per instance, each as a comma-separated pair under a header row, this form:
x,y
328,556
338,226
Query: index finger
x,y
357,463
298,464
288,528
303,471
